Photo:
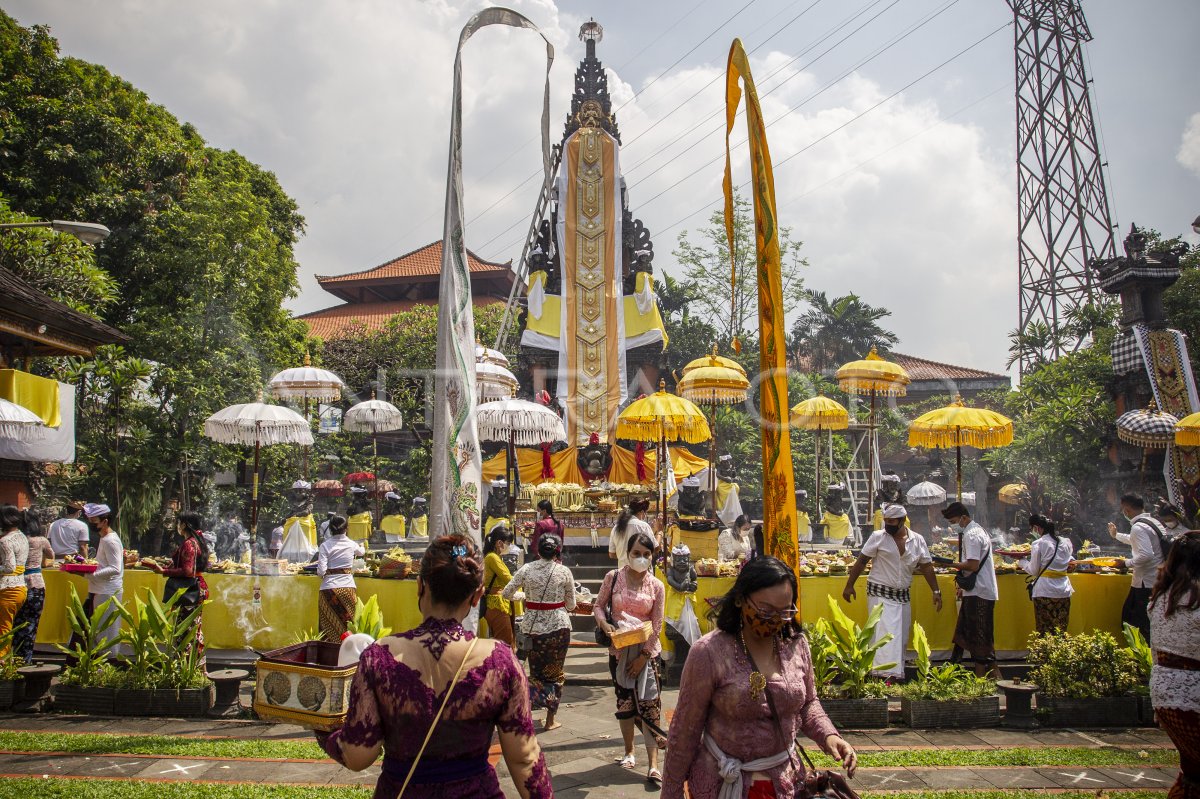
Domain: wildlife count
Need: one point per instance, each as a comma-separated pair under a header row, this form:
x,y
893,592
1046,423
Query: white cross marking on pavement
x,y
119,766
1075,778
889,778
181,769
1141,775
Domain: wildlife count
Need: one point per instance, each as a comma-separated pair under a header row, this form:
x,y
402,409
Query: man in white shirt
x,y
108,580
975,630
1145,541
69,535
895,554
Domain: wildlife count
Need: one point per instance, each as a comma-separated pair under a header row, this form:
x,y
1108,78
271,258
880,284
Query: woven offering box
x,y
391,568
302,684
637,635
271,566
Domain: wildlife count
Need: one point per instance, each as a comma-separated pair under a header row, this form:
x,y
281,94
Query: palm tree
x,y
832,332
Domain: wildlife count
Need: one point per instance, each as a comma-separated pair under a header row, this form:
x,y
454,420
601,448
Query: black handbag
x,y
190,587
966,581
602,637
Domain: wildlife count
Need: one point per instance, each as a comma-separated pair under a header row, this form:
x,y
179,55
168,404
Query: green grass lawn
x,y
115,789
76,743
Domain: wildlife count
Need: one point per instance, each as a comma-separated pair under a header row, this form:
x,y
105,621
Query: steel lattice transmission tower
x,y
1064,222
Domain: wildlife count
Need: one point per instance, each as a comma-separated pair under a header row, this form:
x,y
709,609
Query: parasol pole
x,y
712,456
958,459
510,471
817,460
375,472
871,462
304,447
662,474
254,503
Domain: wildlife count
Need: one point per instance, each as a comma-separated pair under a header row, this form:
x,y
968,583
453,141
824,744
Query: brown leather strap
x,y
339,571
1172,661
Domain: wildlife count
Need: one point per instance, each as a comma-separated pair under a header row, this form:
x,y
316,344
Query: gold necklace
x,y
758,682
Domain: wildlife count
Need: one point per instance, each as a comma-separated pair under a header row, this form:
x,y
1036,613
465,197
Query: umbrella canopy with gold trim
x,y
1149,427
957,426
873,375
820,413
1013,493
1187,432
714,384
663,415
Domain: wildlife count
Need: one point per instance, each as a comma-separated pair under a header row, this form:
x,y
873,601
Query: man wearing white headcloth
x,y
107,581
895,554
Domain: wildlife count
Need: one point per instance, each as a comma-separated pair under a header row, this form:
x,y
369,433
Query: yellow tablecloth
x,y
1095,606
287,606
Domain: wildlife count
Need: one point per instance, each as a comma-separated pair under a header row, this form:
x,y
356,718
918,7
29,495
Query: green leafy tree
x,y
834,331
732,306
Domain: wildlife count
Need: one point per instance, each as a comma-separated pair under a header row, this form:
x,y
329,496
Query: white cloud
x,y
1189,145
349,105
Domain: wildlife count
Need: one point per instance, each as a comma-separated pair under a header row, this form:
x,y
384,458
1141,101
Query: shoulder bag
x,y
966,581
601,636
449,690
823,783
1029,584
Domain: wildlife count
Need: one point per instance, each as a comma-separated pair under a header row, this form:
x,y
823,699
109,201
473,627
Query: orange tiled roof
x,y
923,369
328,323
423,262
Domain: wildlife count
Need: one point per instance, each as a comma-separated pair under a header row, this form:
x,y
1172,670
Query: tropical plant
x,y
834,331
368,619
854,650
1083,666
306,635
1142,654
821,646
89,651
9,663
732,306
947,682
161,641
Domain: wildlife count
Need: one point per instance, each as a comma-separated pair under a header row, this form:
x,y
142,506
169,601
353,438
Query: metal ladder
x,y
508,323
857,485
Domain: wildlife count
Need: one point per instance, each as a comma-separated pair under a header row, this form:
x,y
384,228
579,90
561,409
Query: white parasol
x,y
19,423
488,355
306,383
374,416
257,424
494,382
926,493
525,423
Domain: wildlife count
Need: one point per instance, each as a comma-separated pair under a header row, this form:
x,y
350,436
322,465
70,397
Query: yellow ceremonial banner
x,y
779,496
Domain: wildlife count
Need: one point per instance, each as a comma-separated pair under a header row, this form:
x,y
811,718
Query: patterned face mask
x,y
765,625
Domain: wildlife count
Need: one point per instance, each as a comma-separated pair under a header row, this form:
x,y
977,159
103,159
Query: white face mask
x,y
639,564
956,527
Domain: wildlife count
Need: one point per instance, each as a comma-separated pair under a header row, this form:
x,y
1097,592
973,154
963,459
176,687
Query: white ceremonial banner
x,y
457,467
55,444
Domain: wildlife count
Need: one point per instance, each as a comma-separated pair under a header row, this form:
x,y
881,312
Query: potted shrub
x,y
162,675
12,684
1144,659
1084,680
947,695
85,685
843,661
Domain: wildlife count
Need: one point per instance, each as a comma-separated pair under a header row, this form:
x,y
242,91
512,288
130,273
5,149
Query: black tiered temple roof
x,y
591,83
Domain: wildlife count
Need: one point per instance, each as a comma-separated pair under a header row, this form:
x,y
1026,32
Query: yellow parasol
x,y
875,377
957,426
1187,432
1013,493
713,380
820,413
663,417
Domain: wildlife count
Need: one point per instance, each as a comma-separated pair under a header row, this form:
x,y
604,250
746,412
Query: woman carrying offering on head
x,y
549,590
746,693
496,576
431,698
636,594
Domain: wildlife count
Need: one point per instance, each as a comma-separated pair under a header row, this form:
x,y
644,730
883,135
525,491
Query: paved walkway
x,y
581,755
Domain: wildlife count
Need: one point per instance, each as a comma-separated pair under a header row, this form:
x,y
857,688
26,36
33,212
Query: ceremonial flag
x,y
779,496
457,468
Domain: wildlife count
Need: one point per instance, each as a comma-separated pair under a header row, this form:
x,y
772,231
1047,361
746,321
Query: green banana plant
x,y
368,619
86,648
946,682
1140,649
855,648
820,644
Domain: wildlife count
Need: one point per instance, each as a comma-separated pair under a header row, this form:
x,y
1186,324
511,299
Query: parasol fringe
x,y
965,437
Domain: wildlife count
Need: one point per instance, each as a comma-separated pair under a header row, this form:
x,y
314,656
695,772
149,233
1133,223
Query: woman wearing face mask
x,y
735,543
1049,556
636,593
747,692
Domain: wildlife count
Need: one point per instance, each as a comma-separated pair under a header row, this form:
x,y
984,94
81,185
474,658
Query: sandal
x,y
628,762
654,777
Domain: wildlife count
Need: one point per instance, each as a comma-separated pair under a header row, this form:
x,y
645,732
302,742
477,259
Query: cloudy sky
x,y
909,202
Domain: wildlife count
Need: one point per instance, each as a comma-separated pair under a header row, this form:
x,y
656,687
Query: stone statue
x,y
682,574
691,498
595,460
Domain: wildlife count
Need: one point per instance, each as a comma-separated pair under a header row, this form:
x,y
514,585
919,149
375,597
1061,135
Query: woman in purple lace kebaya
x,y
401,683
725,739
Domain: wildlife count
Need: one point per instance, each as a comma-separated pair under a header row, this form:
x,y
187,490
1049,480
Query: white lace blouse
x,y
544,582
1178,634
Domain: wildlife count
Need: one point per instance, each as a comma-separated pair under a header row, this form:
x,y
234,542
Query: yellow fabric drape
x,y
836,527
392,525
37,394
359,528
566,466
308,525
779,504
